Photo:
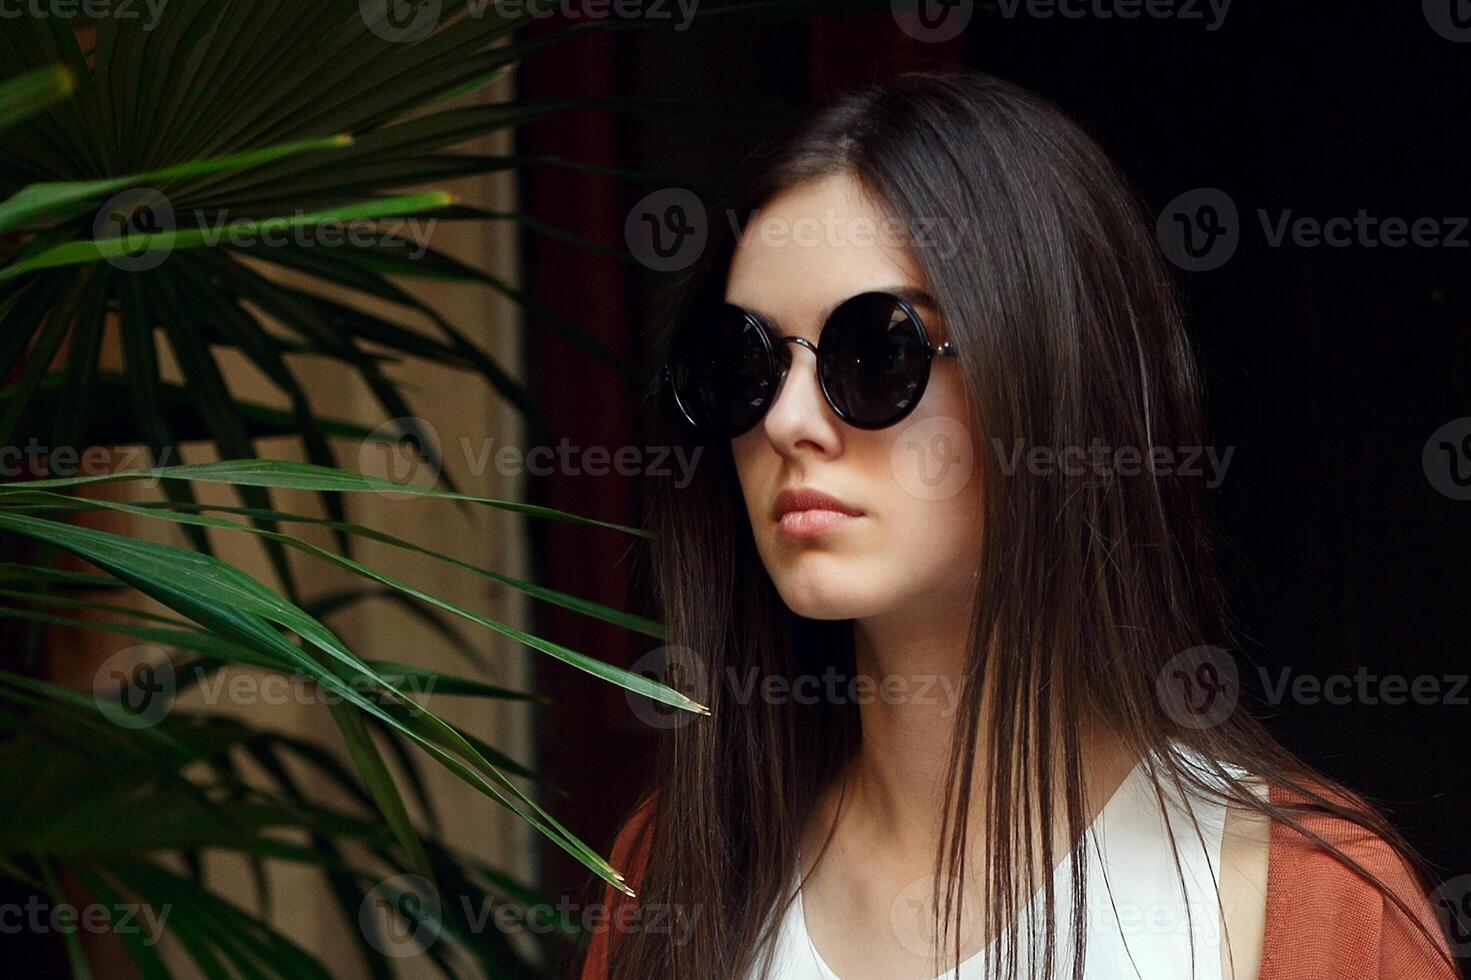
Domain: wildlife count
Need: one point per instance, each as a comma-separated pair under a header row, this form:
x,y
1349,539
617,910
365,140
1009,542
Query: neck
x,y
917,665
895,784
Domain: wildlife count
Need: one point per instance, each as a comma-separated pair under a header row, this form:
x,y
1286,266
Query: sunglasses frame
x,y
779,365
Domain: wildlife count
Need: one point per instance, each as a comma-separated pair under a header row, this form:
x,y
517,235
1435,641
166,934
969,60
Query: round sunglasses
x,y
873,363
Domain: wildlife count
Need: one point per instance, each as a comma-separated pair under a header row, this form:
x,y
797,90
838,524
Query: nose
x,y
800,420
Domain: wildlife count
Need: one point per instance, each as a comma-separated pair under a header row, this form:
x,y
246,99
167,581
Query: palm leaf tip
x,y
59,79
30,93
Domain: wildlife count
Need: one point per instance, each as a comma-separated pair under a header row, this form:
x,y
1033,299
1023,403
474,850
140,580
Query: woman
x,y
933,360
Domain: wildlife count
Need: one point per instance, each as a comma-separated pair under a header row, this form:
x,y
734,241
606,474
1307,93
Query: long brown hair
x,y
1069,329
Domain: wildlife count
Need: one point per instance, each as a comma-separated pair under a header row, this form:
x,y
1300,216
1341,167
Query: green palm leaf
x,y
143,168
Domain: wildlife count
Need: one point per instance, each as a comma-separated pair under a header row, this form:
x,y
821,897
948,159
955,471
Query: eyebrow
x,y
912,295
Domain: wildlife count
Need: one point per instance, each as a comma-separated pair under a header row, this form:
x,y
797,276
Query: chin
x,y
822,608
830,593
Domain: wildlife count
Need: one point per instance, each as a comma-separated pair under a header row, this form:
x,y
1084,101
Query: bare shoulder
x,y
1246,846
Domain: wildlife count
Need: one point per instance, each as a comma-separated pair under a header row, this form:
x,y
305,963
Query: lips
x,y
803,512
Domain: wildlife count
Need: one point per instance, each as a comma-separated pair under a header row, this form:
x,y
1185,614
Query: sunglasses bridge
x,y
800,342
784,363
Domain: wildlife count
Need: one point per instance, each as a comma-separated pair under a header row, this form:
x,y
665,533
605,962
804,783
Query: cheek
x,y
754,460
933,520
935,454
934,469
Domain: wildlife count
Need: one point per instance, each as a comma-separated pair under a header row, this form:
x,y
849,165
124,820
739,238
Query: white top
x,y
1137,921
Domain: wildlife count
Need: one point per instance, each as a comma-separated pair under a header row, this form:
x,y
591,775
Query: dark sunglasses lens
x,y
875,360
721,369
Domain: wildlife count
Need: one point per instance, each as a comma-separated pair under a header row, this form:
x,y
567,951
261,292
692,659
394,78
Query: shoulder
x,y
1245,853
1322,912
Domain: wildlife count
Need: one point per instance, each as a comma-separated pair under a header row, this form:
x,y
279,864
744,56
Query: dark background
x,y
1327,368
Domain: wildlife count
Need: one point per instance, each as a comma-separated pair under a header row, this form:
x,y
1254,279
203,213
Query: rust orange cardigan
x,y
1323,922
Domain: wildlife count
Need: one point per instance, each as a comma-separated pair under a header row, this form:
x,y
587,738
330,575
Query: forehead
x,y
815,245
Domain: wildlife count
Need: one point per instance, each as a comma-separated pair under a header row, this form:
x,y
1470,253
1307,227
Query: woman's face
x,y
914,488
